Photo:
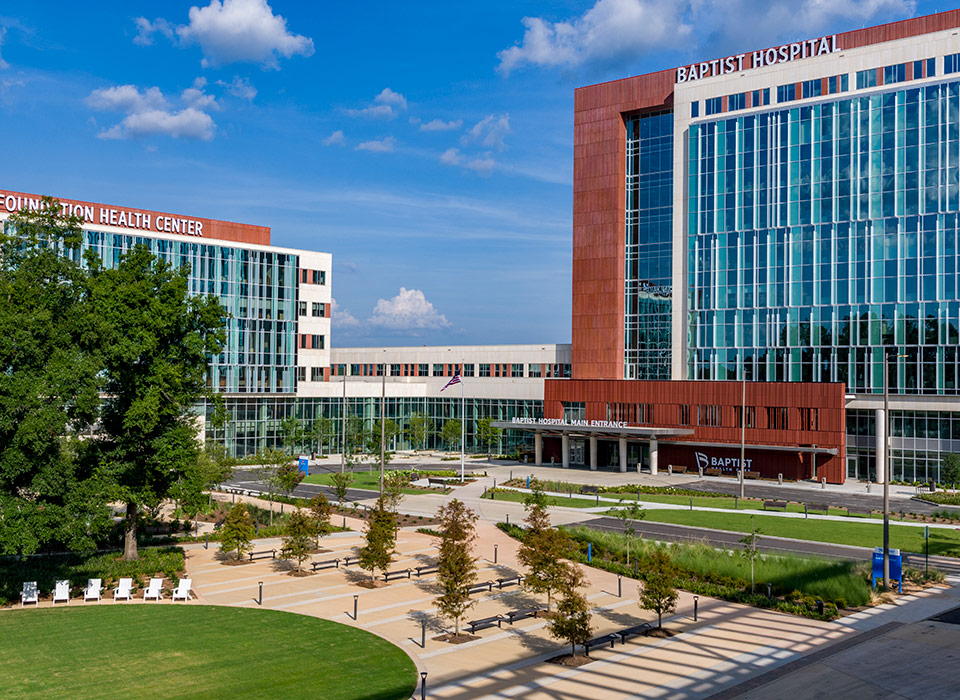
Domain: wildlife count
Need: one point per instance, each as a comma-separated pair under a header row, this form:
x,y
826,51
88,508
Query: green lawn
x,y
578,502
369,481
862,534
192,651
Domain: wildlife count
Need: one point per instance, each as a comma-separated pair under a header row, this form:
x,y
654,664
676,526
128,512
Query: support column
x,y
881,446
654,448
593,454
565,449
538,449
622,449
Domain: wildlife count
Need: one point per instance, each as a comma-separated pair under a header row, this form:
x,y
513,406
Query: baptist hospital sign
x,y
769,57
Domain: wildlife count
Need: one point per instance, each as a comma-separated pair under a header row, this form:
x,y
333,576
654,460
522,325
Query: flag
x,y
455,380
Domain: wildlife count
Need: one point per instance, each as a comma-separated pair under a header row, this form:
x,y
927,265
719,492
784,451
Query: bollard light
x,y
355,597
206,538
494,553
260,595
619,586
696,599
508,518
423,685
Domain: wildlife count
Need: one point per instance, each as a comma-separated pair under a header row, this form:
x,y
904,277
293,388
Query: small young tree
x,y
340,482
950,469
571,622
451,432
542,552
298,537
271,461
535,499
627,513
320,512
390,430
237,532
749,551
457,569
419,427
320,432
393,484
380,538
292,434
487,434
288,477
658,593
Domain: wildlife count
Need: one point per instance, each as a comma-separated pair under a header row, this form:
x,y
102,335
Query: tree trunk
x,y
130,534
659,620
456,627
548,601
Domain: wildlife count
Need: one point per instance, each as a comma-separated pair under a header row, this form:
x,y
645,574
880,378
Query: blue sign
x,y
896,566
305,466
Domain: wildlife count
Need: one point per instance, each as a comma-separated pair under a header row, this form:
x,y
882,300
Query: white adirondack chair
x,y
183,589
123,590
61,592
153,590
30,593
93,590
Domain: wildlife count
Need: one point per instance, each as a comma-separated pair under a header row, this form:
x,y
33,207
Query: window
x,y
319,309
316,374
737,101
694,110
708,415
423,370
301,374
809,418
751,416
516,370
438,370
484,369
812,88
301,308
318,276
355,371
303,342
467,370
866,78
534,370
396,371
622,412
895,74
574,410
761,97
778,418
318,342
684,415
338,370
645,413
714,105
786,93
951,64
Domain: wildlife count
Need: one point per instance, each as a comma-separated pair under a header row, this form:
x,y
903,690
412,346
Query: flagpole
x,y
463,424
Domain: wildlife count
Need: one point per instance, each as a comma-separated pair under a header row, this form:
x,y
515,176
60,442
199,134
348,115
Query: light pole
x,y
743,419
886,472
343,424
383,422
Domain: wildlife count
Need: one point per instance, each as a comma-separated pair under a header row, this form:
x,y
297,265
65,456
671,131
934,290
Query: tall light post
x,y
343,424
743,420
383,421
886,467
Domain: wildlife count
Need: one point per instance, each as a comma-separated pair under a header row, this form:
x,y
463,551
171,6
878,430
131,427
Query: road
x,y
665,532
872,500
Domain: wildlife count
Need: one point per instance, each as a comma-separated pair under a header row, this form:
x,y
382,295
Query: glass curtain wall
x,y
649,234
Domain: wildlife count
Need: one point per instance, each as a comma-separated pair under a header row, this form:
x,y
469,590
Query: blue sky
x,y
427,145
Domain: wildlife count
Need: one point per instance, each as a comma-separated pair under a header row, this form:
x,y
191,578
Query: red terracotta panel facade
x,y
599,194
136,219
667,398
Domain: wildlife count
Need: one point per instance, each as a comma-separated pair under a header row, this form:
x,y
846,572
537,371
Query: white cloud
x,y
489,132
408,310
451,156
440,125
342,318
242,31
148,112
483,165
616,33
3,34
239,87
334,139
386,105
384,145
146,29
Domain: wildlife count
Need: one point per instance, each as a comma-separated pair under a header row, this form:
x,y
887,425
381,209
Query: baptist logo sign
x,y
727,464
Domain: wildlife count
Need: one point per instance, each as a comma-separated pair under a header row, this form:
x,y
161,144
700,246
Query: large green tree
x,y
156,345
49,386
456,566
487,433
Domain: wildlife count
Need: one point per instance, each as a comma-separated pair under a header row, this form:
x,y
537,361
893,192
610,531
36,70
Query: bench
x,y
320,565
390,575
634,631
484,623
713,472
751,475
481,587
421,570
515,615
782,505
263,554
600,641
817,506
436,481
589,489
674,469
853,510
509,581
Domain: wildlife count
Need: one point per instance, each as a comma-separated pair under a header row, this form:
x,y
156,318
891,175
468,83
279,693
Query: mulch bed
x,y
402,520
237,562
660,633
461,638
569,660
371,584
300,574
